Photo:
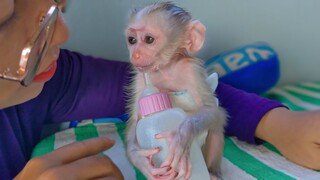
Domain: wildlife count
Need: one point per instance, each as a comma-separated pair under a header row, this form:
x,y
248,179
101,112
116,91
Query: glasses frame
x,y
25,74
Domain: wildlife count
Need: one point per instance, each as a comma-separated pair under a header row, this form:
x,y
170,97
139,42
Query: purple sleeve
x,y
245,111
87,87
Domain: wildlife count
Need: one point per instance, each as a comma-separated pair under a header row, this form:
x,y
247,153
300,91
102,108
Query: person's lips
x,y
46,75
49,72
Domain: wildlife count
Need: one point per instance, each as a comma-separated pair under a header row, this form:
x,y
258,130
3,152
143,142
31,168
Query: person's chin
x,y
33,90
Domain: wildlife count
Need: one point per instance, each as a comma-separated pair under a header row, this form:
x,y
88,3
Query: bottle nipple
x,y
149,88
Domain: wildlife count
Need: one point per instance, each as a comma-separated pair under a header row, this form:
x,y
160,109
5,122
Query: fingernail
x,y
108,139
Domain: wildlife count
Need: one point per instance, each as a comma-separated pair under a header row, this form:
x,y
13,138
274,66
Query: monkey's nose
x,y
136,56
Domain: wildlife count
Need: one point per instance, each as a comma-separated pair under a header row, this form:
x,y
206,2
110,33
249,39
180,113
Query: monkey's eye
x,y
132,40
149,39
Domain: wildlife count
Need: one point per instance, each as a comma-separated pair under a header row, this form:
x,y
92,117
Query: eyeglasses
x,y
34,51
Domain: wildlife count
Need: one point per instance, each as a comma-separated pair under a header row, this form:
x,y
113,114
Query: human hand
x,y
295,134
179,144
141,158
79,160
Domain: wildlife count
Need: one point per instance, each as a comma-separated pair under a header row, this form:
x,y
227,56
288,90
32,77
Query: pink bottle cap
x,y
154,103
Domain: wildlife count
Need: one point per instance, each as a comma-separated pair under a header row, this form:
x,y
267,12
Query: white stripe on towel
x,y
231,171
117,153
64,138
312,85
295,100
303,91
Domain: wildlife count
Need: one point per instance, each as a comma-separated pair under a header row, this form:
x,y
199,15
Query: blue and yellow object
x,y
254,68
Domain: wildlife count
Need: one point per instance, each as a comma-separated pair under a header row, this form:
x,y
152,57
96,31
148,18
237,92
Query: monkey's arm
x,y
180,141
207,116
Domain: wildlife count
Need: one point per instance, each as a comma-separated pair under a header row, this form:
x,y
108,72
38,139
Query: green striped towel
x,y
298,97
241,161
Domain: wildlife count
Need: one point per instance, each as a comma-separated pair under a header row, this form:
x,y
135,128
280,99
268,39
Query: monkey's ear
x,y
195,36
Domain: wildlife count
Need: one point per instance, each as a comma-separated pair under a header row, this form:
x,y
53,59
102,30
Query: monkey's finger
x,y
150,161
171,171
159,171
162,171
148,152
169,158
155,173
168,135
182,167
145,167
189,168
177,157
172,175
174,155
147,174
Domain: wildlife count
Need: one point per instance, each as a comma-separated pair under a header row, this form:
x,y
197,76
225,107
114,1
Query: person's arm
x,y
295,134
245,111
83,87
253,118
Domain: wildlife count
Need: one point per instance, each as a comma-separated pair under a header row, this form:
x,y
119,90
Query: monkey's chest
x,y
183,100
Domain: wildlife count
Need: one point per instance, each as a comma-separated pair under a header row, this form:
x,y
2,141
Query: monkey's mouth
x,y
147,68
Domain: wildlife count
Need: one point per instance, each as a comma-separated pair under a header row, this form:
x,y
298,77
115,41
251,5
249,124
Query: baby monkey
x,y
161,39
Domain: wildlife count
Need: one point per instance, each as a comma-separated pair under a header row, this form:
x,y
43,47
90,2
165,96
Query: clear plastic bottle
x,y
158,115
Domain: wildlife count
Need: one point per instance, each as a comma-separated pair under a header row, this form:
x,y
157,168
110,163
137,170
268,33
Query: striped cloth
x,y
241,161
298,97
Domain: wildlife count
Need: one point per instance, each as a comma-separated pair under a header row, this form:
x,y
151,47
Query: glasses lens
x,y
39,47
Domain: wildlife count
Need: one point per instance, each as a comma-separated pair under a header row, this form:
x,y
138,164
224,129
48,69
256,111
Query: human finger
x,y
79,150
36,166
92,167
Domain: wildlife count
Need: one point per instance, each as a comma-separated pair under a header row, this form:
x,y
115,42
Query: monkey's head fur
x,y
162,33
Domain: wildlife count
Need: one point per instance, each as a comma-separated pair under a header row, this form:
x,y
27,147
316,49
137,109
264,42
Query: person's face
x,y
19,20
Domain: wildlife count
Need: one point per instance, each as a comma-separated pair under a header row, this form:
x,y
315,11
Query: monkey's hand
x,y
141,158
179,144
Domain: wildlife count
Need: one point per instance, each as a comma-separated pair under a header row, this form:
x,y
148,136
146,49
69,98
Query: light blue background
x,y
291,27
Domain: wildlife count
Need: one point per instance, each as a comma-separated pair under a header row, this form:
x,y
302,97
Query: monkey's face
x,y
146,42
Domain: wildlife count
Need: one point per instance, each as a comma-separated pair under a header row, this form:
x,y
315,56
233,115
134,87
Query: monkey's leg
x,y
213,152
